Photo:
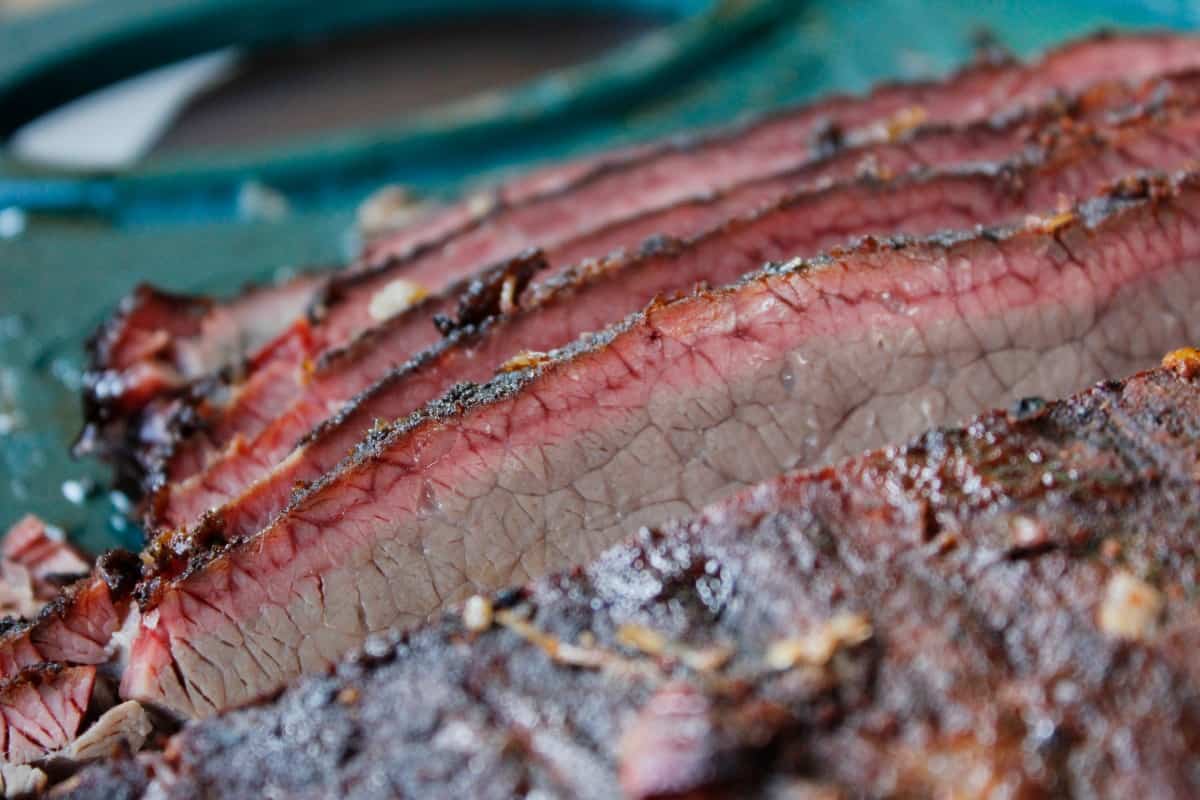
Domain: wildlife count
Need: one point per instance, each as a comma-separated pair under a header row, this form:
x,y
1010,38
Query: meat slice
x,y
21,780
42,714
43,555
545,466
123,728
589,298
660,175
41,709
77,626
159,344
930,620
713,161
35,563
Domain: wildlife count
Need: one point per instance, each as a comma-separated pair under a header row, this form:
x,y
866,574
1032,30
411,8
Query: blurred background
x,y
204,144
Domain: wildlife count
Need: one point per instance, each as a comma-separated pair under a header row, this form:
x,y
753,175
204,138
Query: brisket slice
x,y
77,626
248,421
278,406
546,466
1001,610
711,162
659,176
159,344
41,709
35,563
589,298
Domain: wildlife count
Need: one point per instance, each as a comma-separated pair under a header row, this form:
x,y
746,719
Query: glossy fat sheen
x,y
973,564
678,406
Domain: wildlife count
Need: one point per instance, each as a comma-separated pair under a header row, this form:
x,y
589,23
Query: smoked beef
x,y
637,181
547,465
1067,167
1001,610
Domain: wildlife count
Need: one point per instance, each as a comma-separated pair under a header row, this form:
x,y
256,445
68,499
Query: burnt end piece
x,y
120,570
810,634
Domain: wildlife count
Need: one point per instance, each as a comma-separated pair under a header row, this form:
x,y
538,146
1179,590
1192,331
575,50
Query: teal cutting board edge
x,y
58,278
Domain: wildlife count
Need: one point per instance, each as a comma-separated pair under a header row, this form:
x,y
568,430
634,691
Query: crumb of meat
x,y
524,360
1050,224
818,646
1184,362
1130,607
508,295
653,643
477,614
395,297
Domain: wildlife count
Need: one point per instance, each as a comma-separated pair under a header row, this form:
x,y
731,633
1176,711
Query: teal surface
x,y
89,238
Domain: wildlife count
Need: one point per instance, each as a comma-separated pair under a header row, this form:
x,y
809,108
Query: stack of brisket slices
x,y
517,383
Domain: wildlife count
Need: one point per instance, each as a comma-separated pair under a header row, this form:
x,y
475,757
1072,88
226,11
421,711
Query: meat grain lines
x,y
243,490
598,423
668,410
951,616
145,376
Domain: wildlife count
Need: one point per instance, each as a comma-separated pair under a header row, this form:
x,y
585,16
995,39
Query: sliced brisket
x,y
713,161
643,179
35,563
41,709
1002,610
1069,165
160,348
545,466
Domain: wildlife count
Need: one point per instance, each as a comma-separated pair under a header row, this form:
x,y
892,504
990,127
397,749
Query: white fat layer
x,y
20,780
121,642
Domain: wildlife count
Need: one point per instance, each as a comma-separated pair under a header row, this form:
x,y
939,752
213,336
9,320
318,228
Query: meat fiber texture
x,y
35,562
41,710
1043,138
1000,610
631,183
1073,162
544,467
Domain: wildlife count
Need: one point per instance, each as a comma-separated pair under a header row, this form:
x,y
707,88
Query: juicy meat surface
x,y
280,403
41,709
159,344
1000,610
43,552
76,627
266,425
762,147
660,176
546,466
591,297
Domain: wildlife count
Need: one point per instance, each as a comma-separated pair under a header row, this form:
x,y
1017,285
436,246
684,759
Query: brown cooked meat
x,y
1000,610
150,378
565,452
545,466
242,491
